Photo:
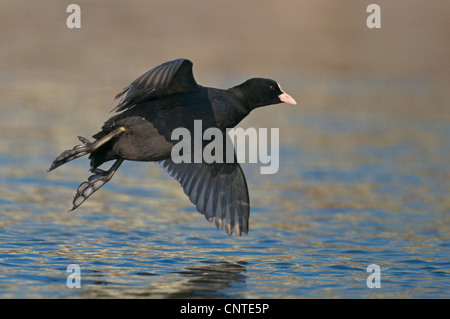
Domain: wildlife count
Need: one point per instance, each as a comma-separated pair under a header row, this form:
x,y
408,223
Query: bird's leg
x,y
93,183
86,148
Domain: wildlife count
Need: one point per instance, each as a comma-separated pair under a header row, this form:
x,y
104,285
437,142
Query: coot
x,y
163,99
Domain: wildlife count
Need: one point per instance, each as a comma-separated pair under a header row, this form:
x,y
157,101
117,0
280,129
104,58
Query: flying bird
x,y
163,99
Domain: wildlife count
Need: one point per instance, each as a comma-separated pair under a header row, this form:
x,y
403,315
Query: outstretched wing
x,y
169,78
219,192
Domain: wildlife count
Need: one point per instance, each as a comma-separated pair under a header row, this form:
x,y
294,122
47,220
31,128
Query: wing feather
x,y
219,192
169,78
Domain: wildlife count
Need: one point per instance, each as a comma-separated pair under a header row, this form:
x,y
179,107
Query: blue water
x,y
351,191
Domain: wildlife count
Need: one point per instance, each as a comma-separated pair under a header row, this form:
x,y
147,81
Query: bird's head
x,y
259,92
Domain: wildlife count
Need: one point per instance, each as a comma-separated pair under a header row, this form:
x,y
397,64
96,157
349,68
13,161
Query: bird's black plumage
x,y
163,99
169,78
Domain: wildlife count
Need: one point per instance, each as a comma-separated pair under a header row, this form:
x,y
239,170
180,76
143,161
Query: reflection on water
x,y
211,279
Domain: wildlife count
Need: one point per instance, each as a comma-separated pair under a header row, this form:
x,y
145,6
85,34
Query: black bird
x,y
163,99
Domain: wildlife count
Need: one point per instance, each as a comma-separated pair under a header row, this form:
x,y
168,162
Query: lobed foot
x,y
86,189
77,151
94,182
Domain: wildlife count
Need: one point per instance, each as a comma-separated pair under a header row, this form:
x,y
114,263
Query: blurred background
x,y
364,156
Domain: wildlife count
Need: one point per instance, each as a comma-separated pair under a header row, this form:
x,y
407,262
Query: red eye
x,y
271,87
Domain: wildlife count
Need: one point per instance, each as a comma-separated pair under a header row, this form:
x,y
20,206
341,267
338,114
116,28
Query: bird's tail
x,y
86,148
